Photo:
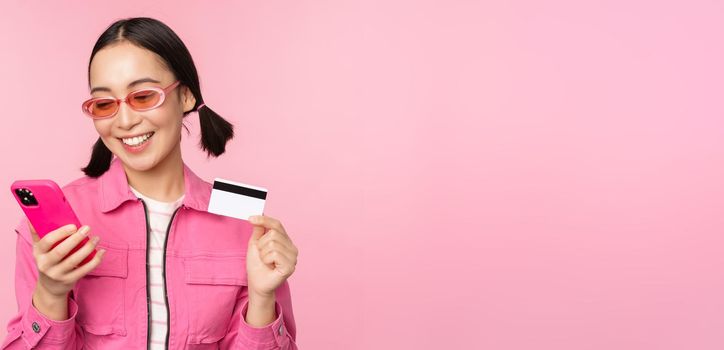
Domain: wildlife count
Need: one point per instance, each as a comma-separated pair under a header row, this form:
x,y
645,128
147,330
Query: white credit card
x,y
236,199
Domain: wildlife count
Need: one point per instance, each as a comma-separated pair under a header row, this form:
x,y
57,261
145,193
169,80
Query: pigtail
x,y
100,160
215,131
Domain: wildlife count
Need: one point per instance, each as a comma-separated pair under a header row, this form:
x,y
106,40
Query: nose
x,y
126,117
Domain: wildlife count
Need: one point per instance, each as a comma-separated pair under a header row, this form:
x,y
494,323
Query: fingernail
x,y
83,230
254,218
95,239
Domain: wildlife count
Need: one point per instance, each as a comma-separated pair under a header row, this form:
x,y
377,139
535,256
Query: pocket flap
x,y
115,261
228,270
102,330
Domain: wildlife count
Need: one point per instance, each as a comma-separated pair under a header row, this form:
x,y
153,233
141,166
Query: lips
x,y
138,140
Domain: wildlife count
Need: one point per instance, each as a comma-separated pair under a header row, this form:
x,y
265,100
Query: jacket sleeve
x,y
29,329
280,334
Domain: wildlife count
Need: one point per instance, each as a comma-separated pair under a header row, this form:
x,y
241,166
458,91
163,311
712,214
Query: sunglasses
x,y
139,100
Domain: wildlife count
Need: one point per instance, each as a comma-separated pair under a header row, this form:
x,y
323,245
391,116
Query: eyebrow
x,y
132,84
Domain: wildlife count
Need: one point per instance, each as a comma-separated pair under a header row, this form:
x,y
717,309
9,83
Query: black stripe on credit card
x,y
223,186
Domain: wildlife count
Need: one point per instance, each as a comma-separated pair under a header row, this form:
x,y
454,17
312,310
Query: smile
x,y
137,140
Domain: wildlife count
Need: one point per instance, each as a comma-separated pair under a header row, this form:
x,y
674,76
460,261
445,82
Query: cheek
x,y
103,127
169,121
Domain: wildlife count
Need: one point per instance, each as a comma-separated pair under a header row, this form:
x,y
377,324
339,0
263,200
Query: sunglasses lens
x,y
144,99
102,108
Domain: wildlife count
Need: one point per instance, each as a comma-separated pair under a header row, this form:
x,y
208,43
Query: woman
x,y
168,274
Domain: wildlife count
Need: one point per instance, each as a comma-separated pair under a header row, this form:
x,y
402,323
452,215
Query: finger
x,y
267,221
278,242
272,235
63,249
33,234
278,239
73,260
282,263
88,267
46,243
275,245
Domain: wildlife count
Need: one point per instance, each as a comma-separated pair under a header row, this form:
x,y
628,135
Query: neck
x,y
164,182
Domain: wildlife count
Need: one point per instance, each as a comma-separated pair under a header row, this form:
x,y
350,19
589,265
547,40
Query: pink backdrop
x,y
456,174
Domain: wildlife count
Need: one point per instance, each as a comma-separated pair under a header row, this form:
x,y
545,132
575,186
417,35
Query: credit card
x,y
236,199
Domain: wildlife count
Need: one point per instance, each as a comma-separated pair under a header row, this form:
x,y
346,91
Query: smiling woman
x,y
161,281
125,69
141,54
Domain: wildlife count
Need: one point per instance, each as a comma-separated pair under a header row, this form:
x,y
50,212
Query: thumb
x,y
33,234
256,233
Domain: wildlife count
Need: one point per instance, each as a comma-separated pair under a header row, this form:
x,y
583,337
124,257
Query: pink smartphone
x,y
46,208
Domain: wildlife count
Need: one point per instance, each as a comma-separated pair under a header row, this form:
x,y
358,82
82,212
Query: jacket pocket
x,y
213,285
100,294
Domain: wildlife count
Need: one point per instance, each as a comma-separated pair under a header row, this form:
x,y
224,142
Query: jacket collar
x,y
114,189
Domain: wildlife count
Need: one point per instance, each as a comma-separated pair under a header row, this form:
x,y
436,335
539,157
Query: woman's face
x,y
120,69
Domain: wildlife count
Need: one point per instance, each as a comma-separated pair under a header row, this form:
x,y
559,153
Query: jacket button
x,y
281,329
36,327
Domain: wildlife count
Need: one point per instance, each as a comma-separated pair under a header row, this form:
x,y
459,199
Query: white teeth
x,y
135,141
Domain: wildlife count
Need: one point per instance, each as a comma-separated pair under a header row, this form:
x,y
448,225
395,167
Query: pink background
x,y
456,174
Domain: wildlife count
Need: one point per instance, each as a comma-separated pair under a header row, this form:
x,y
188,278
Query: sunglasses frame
x,y
162,91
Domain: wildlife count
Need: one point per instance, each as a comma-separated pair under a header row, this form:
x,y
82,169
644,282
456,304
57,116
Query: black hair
x,y
155,36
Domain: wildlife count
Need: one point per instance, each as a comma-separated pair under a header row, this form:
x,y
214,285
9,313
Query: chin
x,y
138,163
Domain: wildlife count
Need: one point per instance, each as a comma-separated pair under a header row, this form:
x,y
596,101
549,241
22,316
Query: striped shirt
x,y
159,216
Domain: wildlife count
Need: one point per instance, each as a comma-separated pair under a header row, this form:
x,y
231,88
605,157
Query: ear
x,y
187,98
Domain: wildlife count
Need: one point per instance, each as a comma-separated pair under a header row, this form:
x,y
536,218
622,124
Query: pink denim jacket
x,y
206,284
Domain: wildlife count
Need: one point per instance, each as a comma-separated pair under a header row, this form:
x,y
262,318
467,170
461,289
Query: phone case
x,y
46,208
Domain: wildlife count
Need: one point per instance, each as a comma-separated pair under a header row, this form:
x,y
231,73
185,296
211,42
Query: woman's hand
x,y
271,257
58,274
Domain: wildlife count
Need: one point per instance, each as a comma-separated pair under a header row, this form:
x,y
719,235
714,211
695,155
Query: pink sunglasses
x,y
140,100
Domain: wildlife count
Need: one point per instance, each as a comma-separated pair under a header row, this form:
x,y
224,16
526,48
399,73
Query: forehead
x,y
117,65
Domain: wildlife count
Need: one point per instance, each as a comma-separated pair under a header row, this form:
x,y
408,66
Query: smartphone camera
x,y
26,196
